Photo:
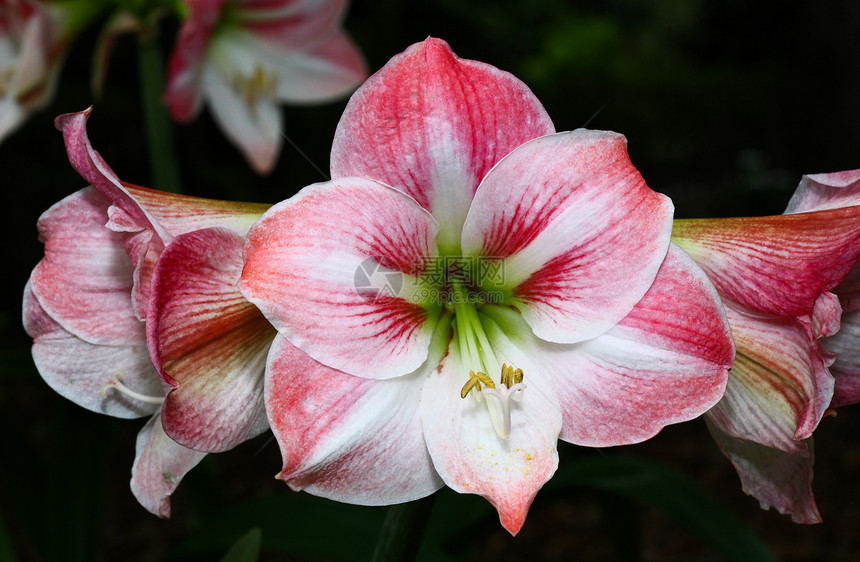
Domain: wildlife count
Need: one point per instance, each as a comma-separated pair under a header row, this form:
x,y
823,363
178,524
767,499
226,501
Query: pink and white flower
x,y
34,38
774,275
523,289
121,261
837,190
245,57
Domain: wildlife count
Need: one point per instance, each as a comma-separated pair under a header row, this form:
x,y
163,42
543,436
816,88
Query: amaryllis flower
x,y
121,261
245,57
774,275
470,288
837,190
34,38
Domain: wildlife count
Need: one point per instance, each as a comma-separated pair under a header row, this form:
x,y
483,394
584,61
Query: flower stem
x,y
162,157
402,531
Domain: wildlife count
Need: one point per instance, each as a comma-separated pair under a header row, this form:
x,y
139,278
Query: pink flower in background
x,y
121,261
774,275
34,37
468,289
245,57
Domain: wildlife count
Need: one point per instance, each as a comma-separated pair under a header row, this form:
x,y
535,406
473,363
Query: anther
x,y
475,381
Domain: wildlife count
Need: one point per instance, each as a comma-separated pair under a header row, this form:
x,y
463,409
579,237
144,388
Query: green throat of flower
x,y
477,352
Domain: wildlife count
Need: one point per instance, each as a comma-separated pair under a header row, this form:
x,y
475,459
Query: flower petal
x,y
818,192
779,385
305,259
773,477
347,438
845,345
581,234
92,167
432,125
80,370
179,214
84,281
666,362
254,123
208,342
159,465
468,452
774,265
327,71
185,65
289,24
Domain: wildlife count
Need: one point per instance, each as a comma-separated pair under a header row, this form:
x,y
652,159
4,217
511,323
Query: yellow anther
x,y
511,376
484,378
470,384
475,381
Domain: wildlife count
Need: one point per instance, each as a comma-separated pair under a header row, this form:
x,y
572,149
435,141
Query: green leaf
x,y
246,549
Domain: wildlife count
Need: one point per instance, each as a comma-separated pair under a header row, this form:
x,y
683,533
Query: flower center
x,y
478,354
260,84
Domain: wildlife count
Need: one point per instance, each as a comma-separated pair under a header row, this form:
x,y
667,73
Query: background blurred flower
x,y
34,38
244,57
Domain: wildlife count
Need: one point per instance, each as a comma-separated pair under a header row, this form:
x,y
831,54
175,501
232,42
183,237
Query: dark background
x,y
725,104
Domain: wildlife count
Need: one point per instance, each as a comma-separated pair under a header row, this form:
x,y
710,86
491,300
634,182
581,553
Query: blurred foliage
x,y
725,104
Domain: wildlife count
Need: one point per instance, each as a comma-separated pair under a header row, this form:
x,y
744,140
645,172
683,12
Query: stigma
x,y
497,397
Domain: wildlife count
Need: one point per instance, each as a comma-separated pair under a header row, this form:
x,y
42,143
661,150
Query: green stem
x,y
162,157
402,531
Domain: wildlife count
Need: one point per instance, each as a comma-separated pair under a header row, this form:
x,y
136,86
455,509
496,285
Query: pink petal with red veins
x,y
288,24
182,213
581,234
466,449
664,363
826,316
305,259
775,265
433,125
817,192
347,438
185,65
779,385
775,478
92,167
209,342
159,465
845,345
84,282
80,371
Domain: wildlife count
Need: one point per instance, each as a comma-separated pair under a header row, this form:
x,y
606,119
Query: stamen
x,y
262,83
510,377
115,384
475,380
511,388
